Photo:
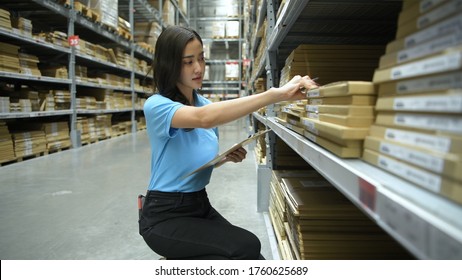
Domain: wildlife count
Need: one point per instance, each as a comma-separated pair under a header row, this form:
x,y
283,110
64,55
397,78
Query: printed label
x,y
421,178
445,123
418,158
432,83
450,104
439,143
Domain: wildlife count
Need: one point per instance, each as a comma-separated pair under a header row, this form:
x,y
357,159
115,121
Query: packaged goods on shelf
x,y
5,21
232,71
124,28
218,30
29,142
108,11
412,25
447,61
421,177
332,63
55,71
28,64
434,83
232,29
413,9
452,25
103,126
343,110
22,25
446,164
6,144
428,140
449,101
147,32
320,223
4,104
9,60
57,135
183,4
168,13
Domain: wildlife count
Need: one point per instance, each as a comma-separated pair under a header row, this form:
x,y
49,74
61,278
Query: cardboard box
x,y
444,164
433,83
344,110
330,131
443,123
366,100
423,50
338,150
447,26
421,139
448,102
290,126
437,14
449,60
343,88
422,178
350,121
414,9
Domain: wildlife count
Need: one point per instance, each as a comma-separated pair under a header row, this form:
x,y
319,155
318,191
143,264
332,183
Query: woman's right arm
x,y
222,112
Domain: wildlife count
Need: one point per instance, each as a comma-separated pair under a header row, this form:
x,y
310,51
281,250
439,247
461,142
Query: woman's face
x,y
193,67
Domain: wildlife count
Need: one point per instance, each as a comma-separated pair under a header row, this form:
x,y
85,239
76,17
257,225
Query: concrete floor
x,y
80,204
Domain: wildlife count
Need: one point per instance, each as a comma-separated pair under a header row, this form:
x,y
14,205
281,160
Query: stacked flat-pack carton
x,y
6,144
418,129
313,220
57,135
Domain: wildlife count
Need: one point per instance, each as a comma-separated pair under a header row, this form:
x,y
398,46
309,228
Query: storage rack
x,y
219,87
62,16
428,225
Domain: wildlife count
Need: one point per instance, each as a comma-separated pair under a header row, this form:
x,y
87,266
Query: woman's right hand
x,y
292,90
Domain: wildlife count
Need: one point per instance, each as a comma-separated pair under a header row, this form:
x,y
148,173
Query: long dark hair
x,y
168,60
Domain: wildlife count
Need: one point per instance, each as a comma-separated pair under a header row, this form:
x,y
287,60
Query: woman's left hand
x,y
237,155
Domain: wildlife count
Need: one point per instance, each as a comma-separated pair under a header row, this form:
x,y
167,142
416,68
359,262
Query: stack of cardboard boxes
x,y
418,131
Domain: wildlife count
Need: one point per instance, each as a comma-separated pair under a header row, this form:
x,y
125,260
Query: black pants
x,y
186,226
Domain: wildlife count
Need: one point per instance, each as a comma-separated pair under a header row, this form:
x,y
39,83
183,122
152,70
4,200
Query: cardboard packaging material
x,y
434,83
449,60
338,150
436,15
444,123
343,88
366,100
344,110
331,131
420,177
422,139
444,164
448,102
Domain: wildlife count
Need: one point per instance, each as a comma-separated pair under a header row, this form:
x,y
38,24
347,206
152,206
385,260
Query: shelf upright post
x,y
264,173
132,72
75,133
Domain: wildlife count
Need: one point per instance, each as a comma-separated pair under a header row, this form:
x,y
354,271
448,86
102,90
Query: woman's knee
x,y
247,246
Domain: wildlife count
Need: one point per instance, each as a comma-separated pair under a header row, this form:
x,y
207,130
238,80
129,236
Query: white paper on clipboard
x,y
221,156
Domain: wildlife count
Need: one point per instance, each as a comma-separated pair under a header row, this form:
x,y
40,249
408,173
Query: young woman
x,y
178,221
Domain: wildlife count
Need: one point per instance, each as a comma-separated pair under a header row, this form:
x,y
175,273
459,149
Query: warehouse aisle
x,y
81,203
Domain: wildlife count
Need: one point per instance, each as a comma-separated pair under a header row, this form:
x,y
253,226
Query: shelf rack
x,y
428,225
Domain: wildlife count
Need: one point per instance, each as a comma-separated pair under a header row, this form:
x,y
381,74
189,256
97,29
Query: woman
x,y
177,220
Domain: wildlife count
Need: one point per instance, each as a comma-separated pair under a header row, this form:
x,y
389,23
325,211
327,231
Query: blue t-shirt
x,y
177,152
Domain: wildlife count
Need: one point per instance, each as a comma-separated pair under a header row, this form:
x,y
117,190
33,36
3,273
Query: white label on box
x,y
442,103
54,128
439,143
438,13
432,83
312,108
313,93
310,126
317,101
451,25
419,177
447,62
426,5
432,47
445,123
313,116
421,159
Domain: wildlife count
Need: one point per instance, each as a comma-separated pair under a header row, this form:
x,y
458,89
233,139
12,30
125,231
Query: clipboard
x,y
221,156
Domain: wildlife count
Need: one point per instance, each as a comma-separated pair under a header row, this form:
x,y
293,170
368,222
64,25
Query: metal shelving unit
x,y
428,225
54,15
220,88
